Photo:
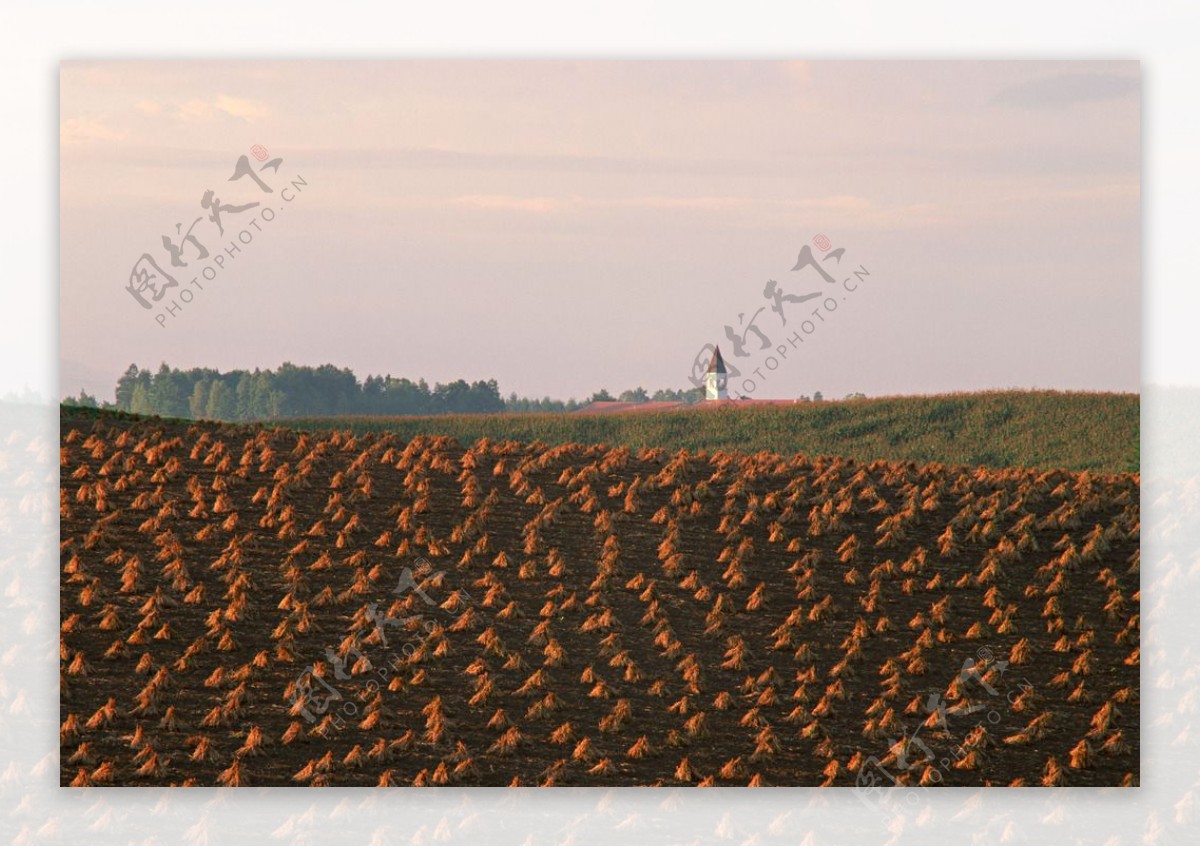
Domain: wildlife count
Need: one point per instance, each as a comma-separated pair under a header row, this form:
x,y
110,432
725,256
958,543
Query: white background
x,y
34,37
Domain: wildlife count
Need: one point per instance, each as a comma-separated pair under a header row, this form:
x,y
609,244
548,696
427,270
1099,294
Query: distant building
x,y
716,394
714,379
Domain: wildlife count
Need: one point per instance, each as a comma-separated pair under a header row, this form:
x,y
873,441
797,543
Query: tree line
x,y
634,395
324,391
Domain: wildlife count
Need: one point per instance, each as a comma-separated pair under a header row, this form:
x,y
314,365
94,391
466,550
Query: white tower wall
x,y
714,386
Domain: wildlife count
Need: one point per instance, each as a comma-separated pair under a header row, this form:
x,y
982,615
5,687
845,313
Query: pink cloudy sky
x,y
567,226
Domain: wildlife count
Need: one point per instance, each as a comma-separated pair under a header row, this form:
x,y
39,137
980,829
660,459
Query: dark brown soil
x,y
735,620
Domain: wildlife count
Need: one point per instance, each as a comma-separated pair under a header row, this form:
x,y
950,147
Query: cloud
x,y
837,209
834,203
859,212
440,158
239,107
82,130
511,203
1066,90
199,110
1128,193
195,110
705,203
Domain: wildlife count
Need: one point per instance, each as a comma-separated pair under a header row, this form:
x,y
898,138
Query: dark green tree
x,y
221,402
125,386
198,404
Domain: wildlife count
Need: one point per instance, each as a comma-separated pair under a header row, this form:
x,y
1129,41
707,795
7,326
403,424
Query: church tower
x,y
714,380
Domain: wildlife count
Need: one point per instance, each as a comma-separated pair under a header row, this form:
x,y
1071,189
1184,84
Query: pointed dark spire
x,y
717,365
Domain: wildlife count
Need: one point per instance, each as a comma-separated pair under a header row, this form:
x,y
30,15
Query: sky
x,y
563,227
